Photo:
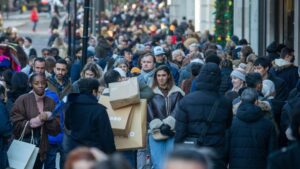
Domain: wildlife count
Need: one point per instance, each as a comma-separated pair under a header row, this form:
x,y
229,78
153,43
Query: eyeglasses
x,y
46,53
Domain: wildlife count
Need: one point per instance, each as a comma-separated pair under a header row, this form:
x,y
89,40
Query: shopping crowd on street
x,y
208,106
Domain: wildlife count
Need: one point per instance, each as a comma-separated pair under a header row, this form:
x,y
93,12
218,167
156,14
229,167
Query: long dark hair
x,y
170,81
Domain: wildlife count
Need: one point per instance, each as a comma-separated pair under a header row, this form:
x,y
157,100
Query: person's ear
x,y
95,92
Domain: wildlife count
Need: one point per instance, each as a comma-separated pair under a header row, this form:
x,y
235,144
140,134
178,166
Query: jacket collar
x,y
173,90
249,112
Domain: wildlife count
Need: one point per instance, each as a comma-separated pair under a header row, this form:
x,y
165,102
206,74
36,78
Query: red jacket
x,y
34,16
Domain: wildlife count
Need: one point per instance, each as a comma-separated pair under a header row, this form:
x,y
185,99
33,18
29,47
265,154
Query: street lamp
x,y
85,32
70,53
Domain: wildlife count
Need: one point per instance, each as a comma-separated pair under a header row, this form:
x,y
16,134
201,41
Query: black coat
x,y
280,97
191,115
5,131
192,112
287,114
89,124
226,80
251,138
287,158
288,73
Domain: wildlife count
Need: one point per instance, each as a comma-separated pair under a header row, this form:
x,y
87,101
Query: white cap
x,y
121,71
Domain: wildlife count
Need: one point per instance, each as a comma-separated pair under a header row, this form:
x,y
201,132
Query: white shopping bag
x,y
22,155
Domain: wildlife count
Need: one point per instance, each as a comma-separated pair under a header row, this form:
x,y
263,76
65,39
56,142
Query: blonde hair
x,y
176,53
94,68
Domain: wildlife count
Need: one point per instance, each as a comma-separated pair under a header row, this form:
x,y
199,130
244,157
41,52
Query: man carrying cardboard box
x,y
146,92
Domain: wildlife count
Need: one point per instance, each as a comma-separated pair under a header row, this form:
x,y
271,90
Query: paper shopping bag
x,y
22,155
136,138
124,93
120,119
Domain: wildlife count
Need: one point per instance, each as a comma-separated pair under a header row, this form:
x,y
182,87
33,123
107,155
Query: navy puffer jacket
x,y
251,138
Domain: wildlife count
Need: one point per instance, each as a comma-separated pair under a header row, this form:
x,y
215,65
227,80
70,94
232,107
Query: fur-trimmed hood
x,y
173,90
280,64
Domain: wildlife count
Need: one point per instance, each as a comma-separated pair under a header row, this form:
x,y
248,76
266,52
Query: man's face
x,y
147,63
184,164
128,56
45,53
169,40
160,58
259,87
60,70
261,70
26,43
291,57
39,67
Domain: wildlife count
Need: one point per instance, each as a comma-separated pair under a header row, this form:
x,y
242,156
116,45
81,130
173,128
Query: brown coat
x,y
24,109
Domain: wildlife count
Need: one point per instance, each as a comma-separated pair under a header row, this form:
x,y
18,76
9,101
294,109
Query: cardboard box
x,y
137,136
120,119
124,93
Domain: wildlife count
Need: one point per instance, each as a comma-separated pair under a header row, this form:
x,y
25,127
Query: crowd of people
x,y
208,106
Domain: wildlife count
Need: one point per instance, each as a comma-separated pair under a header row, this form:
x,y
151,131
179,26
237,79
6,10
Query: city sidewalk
x,y
15,19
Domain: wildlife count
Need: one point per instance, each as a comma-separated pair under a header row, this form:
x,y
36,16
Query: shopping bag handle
x,y
23,133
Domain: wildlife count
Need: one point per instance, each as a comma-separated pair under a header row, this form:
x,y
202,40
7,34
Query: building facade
x,y
201,12
263,21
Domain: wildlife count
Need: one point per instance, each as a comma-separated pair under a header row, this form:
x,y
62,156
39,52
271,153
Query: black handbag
x,y
199,140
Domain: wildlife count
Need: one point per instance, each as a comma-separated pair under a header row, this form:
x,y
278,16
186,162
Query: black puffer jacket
x,y
193,110
252,138
160,106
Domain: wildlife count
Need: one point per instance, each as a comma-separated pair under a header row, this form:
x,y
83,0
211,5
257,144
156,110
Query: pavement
x,y
24,26
15,19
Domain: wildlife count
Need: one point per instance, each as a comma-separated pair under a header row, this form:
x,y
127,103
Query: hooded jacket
x,y
87,124
193,110
251,138
286,71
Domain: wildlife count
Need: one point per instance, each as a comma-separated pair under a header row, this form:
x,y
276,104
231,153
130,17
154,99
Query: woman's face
x,y
89,74
123,67
162,78
39,84
178,58
236,82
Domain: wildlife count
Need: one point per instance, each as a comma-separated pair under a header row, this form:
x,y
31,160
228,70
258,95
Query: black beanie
x,y
209,77
213,59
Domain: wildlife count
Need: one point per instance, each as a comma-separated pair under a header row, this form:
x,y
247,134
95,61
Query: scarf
x,y
147,76
59,87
